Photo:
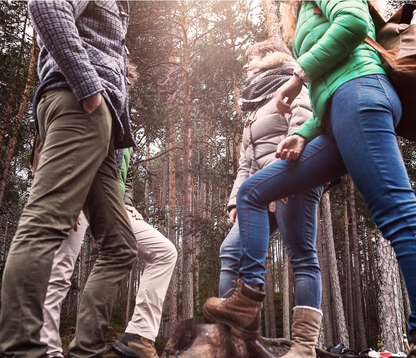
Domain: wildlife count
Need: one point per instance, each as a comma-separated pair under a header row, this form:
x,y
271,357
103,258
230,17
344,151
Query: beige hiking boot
x,y
134,346
305,331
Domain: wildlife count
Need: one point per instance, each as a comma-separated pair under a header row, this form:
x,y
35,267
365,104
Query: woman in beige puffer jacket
x,y
268,67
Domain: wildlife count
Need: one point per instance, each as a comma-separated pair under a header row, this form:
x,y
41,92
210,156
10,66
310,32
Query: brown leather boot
x,y
241,312
305,331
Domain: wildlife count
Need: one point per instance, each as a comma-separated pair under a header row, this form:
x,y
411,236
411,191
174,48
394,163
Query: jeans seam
x,y
379,174
388,98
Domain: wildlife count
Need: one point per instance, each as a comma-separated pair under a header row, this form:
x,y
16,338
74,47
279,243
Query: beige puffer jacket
x,y
267,129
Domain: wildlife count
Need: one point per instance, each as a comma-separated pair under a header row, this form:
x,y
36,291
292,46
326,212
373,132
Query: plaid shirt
x,y
82,45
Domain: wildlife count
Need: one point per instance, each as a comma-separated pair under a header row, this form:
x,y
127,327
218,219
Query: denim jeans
x,y
361,141
297,223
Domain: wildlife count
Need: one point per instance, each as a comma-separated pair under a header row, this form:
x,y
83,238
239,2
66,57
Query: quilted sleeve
x,y
348,27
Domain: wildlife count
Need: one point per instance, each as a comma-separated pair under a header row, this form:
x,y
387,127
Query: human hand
x,y
75,227
134,213
233,216
289,90
91,103
284,200
290,148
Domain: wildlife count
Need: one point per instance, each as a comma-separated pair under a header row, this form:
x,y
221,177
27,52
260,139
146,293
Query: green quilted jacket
x,y
330,48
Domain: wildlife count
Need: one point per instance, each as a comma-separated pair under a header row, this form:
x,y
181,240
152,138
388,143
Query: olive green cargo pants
x,y
77,171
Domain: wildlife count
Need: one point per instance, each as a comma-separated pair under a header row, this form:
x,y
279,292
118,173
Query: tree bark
x,y
326,296
193,338
272,21
270,314
389,311
187,272
285,294
357,284
347,260
328,240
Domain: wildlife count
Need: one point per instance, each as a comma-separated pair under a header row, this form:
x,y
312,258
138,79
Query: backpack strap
x,y
387,56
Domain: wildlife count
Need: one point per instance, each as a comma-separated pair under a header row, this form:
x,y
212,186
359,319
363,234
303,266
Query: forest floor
x,y
115,330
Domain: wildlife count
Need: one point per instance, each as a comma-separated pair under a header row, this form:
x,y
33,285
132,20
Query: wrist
x,y
299,138
301,74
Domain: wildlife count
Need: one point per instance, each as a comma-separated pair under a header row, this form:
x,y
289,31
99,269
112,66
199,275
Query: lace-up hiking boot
x,y
134,346
241,312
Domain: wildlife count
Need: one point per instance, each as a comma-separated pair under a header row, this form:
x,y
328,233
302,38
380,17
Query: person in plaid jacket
x,y
81,115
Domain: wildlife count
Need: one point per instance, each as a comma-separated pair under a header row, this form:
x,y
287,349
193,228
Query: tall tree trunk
x,y
146,180
373,274
237,139
130,295
172,229
357,284
347,260
19,119
326,291
187,286
280,266
328,240
366,279
84,265
270,314
285,294
272,21
389,311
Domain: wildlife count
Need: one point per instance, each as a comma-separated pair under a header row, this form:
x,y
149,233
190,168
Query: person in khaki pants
x,y
160,255
81,115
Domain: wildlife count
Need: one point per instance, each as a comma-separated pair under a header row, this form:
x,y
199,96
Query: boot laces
x,y
234,288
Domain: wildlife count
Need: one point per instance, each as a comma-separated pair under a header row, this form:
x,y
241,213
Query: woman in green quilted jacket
x,y
355,111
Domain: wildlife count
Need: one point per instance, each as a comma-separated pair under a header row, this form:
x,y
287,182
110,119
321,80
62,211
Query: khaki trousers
x,y
160,255
77,170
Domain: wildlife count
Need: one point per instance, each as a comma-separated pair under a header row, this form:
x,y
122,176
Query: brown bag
x,y
396,42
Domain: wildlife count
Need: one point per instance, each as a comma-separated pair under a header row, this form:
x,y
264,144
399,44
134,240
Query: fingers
x,y
287,154
283,107
75,227
134,213
284,200
233,216
91,103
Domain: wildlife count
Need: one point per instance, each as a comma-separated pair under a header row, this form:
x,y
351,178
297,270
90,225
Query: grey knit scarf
x,y
263,85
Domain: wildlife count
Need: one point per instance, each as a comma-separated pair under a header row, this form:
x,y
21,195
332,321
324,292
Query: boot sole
x,y
236,330
124,352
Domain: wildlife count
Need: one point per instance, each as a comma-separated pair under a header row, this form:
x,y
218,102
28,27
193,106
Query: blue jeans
x,y
297,223
360,141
